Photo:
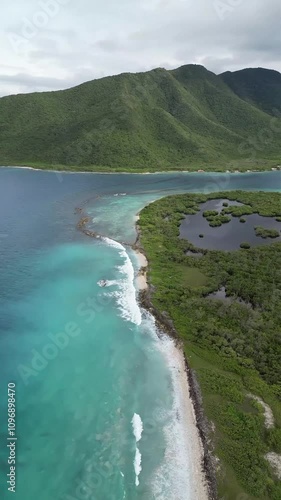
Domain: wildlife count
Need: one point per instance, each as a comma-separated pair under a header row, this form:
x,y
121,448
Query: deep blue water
x,y
86,360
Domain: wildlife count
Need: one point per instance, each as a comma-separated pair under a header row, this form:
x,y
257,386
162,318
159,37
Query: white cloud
x,y
51,44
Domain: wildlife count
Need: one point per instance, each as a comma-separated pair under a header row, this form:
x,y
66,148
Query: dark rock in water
x,y
102,283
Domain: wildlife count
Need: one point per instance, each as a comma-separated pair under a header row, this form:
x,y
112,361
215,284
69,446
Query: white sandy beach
x,y
188,447
142,276
184,447
181,475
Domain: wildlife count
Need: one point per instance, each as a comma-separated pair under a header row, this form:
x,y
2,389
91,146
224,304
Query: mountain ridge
x,y
185,118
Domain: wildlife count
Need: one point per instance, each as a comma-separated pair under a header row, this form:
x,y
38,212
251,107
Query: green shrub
x,y
210,213
266,233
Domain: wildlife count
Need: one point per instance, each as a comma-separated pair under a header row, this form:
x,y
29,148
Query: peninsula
x,y
223,304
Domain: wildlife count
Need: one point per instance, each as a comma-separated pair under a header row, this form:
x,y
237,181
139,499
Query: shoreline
x,y
100,172
191,442
204,484
188,390
141,278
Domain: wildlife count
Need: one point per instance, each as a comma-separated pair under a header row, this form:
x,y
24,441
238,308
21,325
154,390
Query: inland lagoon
x,y
229,235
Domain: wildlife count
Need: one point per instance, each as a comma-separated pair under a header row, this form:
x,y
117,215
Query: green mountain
x,y
258,86
187,118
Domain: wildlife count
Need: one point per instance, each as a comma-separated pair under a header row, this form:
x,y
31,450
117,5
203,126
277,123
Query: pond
x,y
221,295
228,236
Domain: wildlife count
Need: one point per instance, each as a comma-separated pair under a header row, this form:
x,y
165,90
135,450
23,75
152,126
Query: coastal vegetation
x,y
210,213
216,218
238,211
233,345
185,119
266,233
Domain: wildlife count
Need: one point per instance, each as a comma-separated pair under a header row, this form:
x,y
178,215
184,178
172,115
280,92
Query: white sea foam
x,y
113,243
126,296
137,430
107,283
137,466
137,426
180,475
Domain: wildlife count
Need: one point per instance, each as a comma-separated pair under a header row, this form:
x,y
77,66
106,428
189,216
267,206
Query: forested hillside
x,y
182,119
258,86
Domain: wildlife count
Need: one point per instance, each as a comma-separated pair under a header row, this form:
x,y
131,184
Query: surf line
x,y
137,430
127,297
165,325
82,226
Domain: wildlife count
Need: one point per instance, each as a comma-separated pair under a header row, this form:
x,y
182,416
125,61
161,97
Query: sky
x,y
56,44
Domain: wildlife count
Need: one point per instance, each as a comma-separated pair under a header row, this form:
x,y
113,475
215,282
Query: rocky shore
x,y
165,324
204,462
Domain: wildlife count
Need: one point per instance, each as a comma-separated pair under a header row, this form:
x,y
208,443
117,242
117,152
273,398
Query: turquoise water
x,y
95,389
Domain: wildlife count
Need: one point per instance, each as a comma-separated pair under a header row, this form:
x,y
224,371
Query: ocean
x,y
97,413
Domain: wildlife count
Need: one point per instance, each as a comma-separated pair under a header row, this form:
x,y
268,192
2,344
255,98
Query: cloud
x,y
51,44
32,81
